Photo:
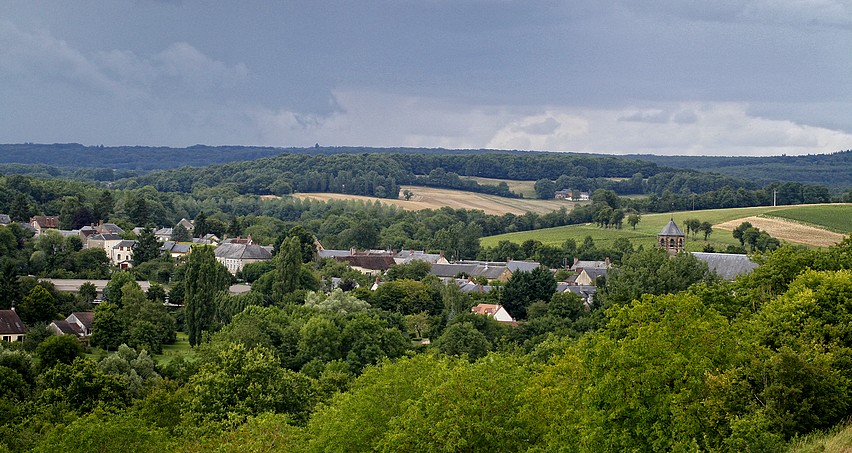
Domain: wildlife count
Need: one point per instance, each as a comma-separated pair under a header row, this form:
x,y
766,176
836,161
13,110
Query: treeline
x,y
380,174
833,170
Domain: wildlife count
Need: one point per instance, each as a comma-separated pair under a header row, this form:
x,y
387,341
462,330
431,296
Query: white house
x,y
493,310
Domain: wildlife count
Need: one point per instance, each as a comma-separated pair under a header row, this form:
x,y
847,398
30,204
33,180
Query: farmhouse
x,y
236,256
78,324
11,327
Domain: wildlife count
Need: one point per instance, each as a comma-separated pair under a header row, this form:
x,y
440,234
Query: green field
x,y
836,218
645,233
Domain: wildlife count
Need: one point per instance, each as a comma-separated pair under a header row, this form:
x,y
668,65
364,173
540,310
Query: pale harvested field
x,y
431,198
787,230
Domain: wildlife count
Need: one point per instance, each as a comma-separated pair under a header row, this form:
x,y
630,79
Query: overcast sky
x,y
720,77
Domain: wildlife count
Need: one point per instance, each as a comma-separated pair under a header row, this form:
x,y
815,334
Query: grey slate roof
x,y
125,243
333,253
594,273
524,266
471,269
5,219
10,323
105,237
671,229
242,252
590,265
728,266
65,327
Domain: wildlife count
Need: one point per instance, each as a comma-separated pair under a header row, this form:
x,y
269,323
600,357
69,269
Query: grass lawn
x,y
645,233
836,218
181,348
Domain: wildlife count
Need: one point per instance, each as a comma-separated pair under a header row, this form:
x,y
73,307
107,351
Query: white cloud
x,y
692,129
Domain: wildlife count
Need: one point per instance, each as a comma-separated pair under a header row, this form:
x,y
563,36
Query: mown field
x,y
525,188
831,217
432,198
651,224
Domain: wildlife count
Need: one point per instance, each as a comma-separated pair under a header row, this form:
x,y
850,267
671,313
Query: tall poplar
x,y
287,266
205,277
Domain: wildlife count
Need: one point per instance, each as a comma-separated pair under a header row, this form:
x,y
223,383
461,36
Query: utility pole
x,y
774,195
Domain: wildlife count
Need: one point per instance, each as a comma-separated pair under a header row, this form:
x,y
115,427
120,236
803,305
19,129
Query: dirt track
x,y
787,231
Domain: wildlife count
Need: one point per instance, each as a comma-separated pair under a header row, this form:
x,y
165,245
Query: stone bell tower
x,y
671,238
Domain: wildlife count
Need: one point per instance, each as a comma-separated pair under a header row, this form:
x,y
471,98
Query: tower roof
x,y
671,229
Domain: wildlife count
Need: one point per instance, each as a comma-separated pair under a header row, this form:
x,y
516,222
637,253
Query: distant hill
x,y
831,170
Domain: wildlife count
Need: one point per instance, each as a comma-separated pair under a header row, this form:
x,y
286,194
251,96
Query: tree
x,y
414,270
109,329
462,339
137,209
104,206
243,382
524,288
180,234
113,290
235,228
740,230
633,220
204,278
693,225
545,189
287,266
147,247
706,228
59,349
407,194
200,224
38,306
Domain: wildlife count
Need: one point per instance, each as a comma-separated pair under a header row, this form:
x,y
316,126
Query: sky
x,y
684,77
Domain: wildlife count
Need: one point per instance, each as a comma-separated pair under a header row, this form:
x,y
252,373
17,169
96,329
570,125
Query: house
x,y
491,271
164,234
564,194
368,264
5,219
671,238
109,228
586,292
176,249
86,231
584,196
236,256
324,253
105,241
728,266
121,254
78,324
589,276
495,311
11,327
407,256
581,264
41,222
467,285
186,224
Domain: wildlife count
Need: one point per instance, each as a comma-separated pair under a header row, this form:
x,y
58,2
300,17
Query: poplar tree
x,y
287,265
205,277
